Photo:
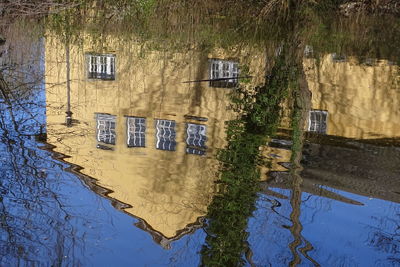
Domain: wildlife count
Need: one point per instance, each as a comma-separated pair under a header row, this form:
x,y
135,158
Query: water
x,y
177,136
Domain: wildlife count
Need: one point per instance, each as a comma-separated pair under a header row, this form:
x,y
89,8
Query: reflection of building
x,y
362,100
140,130
349,101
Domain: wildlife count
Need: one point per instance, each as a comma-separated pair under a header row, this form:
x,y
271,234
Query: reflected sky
x,y
334,233
171,145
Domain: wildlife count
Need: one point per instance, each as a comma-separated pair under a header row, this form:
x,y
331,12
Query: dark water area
x,y
199,134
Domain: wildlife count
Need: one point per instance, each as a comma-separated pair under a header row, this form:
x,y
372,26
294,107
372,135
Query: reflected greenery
x,y
183,25
229,211
321,24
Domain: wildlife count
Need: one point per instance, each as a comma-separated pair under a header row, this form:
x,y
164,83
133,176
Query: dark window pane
x,y
101,67
196,137
165,134
136,132
223,73
318,121
105,128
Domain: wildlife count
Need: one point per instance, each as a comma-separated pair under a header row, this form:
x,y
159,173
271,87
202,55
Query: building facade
x,y
145,124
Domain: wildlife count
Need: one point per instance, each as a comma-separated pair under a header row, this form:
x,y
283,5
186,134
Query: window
x,y
338,58
196,138
318,121
308,51
165,134
194,151
136,132
101,66
370,62
105,130
223,73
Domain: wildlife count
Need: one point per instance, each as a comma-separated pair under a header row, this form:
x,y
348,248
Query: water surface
x,y
199,140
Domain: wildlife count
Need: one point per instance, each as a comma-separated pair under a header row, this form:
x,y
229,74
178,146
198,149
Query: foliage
x,y
365,36
229,212
218,24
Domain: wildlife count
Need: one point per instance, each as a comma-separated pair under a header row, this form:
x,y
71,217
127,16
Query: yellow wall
x,y
276,157
169,190
362,100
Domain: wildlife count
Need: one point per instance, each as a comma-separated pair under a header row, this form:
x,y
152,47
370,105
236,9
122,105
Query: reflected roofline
x,y
335,140
312,182
91,182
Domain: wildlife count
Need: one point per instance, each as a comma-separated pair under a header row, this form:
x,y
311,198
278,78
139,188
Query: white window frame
x,y
104,132
221,69
166,131
196,137
101,66
136,131
319,125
